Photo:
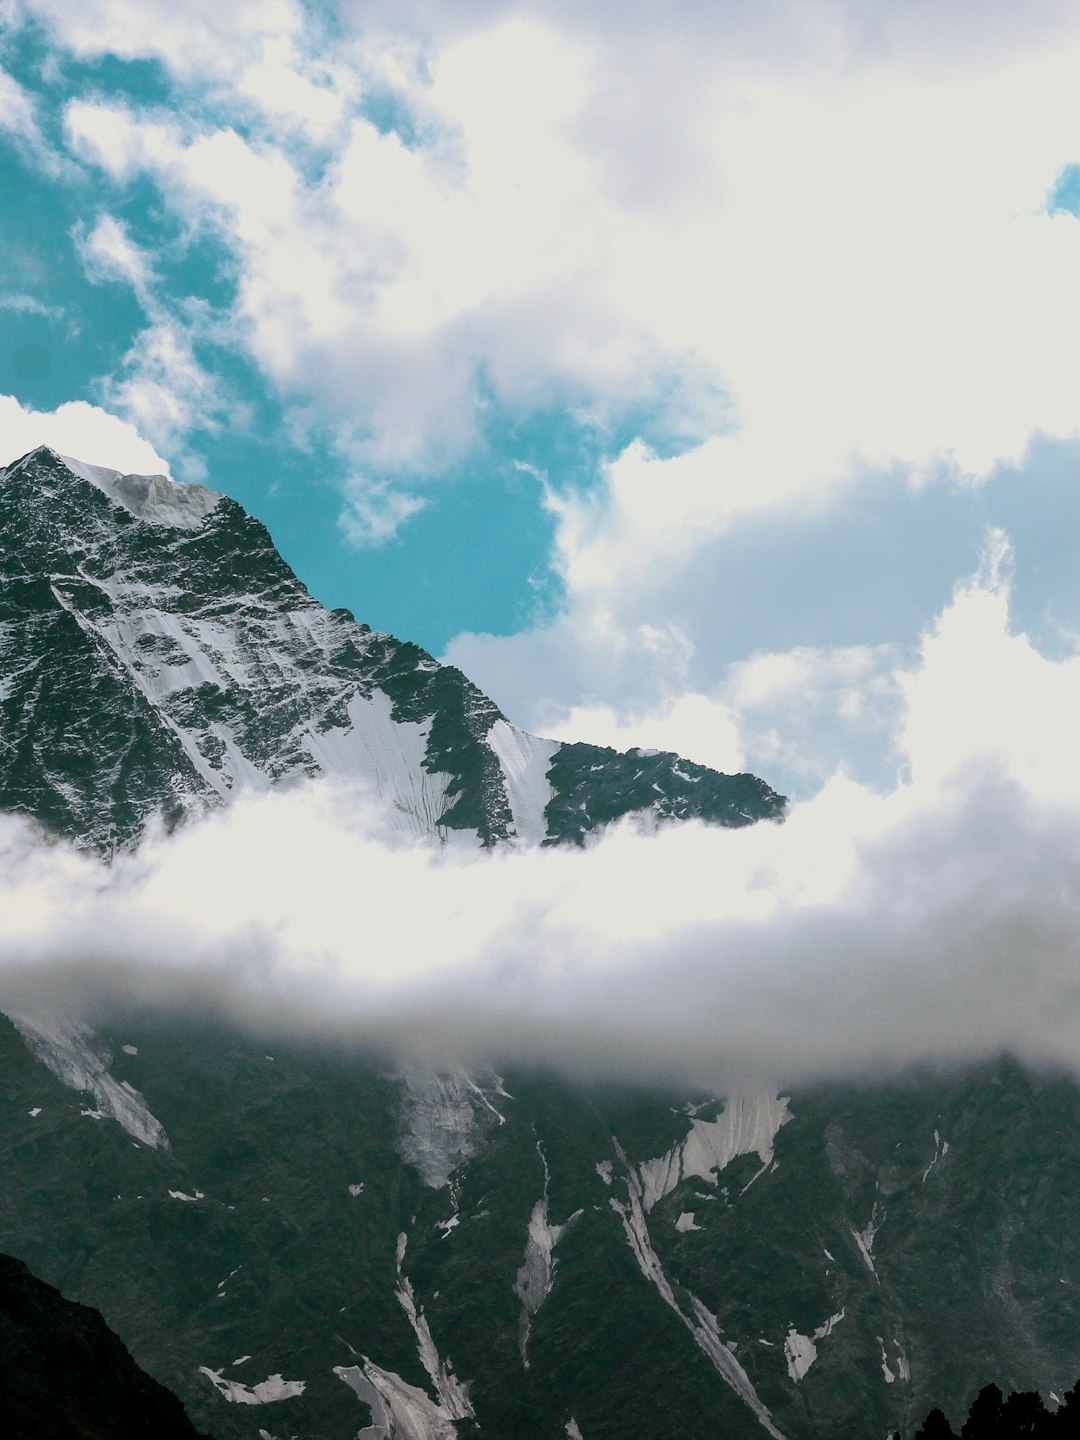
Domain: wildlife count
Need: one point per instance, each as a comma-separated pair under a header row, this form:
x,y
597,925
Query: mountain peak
x,y
153,498
165,666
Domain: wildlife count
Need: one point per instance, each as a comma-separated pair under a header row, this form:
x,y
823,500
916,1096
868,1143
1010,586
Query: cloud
x,y
28,305
108,252
979,688
803,248
794,715
864,933
373,513
199,37
17,110
934,924
692,725
85,431
165,392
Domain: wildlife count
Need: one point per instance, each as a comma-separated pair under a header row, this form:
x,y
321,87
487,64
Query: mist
x,y
934,924
864,934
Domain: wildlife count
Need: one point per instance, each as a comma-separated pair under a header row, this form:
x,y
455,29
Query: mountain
x,y
159,656
302,1241
68,1377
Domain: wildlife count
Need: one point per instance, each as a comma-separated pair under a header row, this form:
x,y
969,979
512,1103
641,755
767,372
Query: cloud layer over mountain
x,y
935,923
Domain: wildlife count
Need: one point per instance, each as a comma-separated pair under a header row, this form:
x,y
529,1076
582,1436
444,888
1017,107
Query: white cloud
x,y
982,689
29,305
840,229
373,513
164,392
695,726
969,686
17,109
84,431
936,923
108,252
160,385
199,36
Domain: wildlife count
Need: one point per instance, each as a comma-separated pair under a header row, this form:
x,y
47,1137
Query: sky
x,y
702,377
664,372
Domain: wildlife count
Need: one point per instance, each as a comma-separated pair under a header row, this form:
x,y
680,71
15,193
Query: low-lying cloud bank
x,y
866,932
935,924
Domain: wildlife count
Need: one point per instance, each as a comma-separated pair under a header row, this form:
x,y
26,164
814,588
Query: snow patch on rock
x,y
265,1393
800,1351
399,1411
747,1125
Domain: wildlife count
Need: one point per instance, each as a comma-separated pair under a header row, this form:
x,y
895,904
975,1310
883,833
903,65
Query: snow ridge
x,y
154,498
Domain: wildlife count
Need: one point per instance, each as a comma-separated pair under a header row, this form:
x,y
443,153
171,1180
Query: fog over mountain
x,y
866,933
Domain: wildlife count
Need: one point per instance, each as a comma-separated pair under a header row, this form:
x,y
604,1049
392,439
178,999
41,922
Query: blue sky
x,y
667,375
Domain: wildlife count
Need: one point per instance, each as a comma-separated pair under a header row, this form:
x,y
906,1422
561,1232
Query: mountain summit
x,y
187,662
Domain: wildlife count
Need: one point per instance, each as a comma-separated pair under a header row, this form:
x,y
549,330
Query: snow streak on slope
x,y
400,1411
525,761
747,1125
453,1395
536,1276
64,1047
171,656
701,1322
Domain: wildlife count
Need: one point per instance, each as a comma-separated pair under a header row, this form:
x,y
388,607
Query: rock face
x,y
68,1377
301,1244
159,655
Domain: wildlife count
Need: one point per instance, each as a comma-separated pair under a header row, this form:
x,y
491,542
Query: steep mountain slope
x,y
300,1242
158,654
67,1377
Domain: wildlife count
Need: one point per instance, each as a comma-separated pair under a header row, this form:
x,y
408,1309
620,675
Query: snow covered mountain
x,y
159,655
299,1243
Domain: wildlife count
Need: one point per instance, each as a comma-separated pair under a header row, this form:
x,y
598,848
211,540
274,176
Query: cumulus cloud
x,y
794,715
76,428
858,253
936,923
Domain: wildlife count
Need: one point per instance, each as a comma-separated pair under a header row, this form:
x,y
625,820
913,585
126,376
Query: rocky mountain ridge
x,y
186,662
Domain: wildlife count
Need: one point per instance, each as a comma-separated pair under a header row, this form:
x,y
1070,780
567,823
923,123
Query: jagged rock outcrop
x,y
66,1376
